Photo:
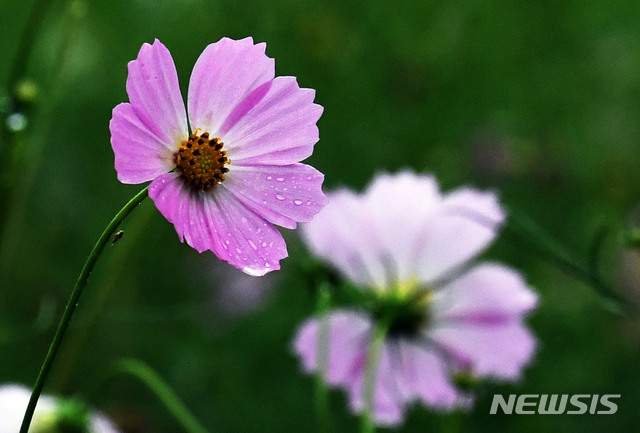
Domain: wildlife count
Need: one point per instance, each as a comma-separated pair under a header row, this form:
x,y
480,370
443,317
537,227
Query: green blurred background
x,y
539,100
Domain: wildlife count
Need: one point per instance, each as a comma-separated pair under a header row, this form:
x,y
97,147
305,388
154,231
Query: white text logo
x,y
554,404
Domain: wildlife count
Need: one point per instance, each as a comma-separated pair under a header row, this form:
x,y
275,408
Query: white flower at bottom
x,y
408,248
14,399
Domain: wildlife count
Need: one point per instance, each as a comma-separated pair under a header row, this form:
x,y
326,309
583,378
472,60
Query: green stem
x,y
371,374
166,395
73,302
550,250
323,339
38,12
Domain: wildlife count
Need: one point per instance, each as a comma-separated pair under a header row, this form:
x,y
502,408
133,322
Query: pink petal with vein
x,y
140,155
282,195
224,75
154,93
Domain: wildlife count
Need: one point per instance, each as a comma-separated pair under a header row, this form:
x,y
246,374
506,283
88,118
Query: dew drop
x,y
297,202
238,250
280,197
253,245
244,220
264,245
269,178
268,265
308,203
280,179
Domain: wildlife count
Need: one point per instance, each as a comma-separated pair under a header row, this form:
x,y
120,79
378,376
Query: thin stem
x,y
323,335
27,39
73,302
371,374
166,395
550,250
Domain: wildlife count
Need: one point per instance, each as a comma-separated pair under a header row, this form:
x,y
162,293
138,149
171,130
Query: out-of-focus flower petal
x,y
400,207
487,293
343,234
223,77
154,93
13,403
280,194
14,399
140,155
466,223
427,375
349,338
275,125
499,350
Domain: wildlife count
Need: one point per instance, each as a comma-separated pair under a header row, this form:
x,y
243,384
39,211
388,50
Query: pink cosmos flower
x,y
409,246
231,169
13,403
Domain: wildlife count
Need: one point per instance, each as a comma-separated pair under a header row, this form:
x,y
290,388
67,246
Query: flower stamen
x,y
201,161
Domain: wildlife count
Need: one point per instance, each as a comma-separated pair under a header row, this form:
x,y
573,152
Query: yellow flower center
x,y
405,304
201,161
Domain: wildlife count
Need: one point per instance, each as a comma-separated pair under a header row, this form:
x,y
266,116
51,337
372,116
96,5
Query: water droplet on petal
x,y
297,202
253,272
269,178
268,265
279,196
264,245
253,245
244,220
280,179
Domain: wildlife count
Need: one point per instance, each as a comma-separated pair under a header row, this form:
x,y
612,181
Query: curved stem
x,y
166,395
550,250
371,374
73,302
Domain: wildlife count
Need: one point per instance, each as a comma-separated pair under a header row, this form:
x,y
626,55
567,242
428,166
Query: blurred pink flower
x,y
409,246
13,403
224,185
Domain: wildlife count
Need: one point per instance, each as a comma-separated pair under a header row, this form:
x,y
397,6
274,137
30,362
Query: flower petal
x,y
242,238
499,350
390,394
14,399
282,195
426,374
400,206
275,125
224,74
488,293
140,155
466,223
154,93
343,235
216,221
171,195
349,338
349,334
